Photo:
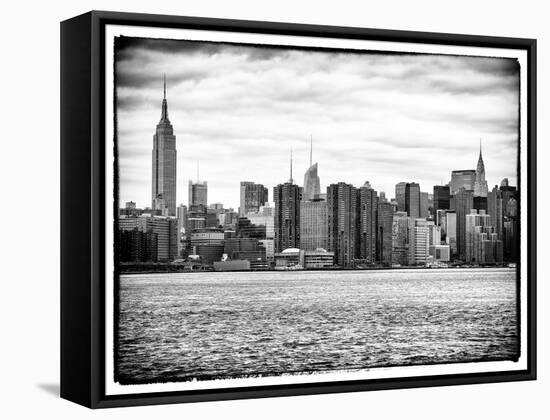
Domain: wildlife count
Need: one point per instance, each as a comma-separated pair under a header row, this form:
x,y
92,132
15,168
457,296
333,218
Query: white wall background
x,y
29,172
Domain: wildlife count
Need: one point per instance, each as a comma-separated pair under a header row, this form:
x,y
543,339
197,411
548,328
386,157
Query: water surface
x,y
178,327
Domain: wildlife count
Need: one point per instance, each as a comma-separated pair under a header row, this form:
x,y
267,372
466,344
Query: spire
x,y
164,115
310,150
480,149
480,165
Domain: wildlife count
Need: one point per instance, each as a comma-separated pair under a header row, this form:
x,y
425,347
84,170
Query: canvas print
x,y
293,211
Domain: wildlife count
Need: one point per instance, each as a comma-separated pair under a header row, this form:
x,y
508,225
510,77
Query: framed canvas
x,y
257,209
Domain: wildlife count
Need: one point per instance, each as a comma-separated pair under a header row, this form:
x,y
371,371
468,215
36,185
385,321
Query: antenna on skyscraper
x,y
164,85
291,180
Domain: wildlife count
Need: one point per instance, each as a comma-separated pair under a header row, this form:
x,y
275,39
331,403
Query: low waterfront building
x,y
320,258
290,258
209,244
232,265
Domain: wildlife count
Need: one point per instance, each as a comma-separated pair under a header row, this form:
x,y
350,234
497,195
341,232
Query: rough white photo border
x,y
111,31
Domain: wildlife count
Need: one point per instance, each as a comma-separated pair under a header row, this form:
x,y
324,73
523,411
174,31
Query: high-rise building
x,y
313,225
412,200
419,242
137,246
264,217
450,231
510,238
482,243
384,226
287,198
462,179
464,202
253,196
312,183
480,184
400,238
342,222
367,201
164,163
165,229
400,189
476,223
228,219
507,192
182,224
494,209
441,199
198,194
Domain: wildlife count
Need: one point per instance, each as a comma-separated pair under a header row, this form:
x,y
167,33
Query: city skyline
x,y
362,152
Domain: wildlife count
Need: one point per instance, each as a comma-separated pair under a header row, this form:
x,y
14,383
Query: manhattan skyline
x,y
381,118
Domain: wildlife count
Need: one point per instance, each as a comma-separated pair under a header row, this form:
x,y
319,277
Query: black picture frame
x,y
83,208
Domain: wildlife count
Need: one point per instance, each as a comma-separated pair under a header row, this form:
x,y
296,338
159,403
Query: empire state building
x,y
164,164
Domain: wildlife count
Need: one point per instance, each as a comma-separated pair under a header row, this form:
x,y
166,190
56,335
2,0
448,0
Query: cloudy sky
x,y
380,117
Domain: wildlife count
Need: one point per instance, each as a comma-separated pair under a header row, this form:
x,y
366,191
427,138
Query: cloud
x,y
239,109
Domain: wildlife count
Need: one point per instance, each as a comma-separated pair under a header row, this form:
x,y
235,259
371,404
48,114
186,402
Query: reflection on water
x,y
178,327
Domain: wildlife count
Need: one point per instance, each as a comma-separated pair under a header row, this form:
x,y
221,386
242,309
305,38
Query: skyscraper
x,y
441,198
400,195
198,194
478,226
464,202
495,209
450,231
367,200
313,225
400,238
462,179
312,183
480,184
384,224
287,198
419,242
253,196
164,163
182,224
342,222
412,199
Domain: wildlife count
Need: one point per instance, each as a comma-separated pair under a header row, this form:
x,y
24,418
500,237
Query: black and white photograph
x,y
295,213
